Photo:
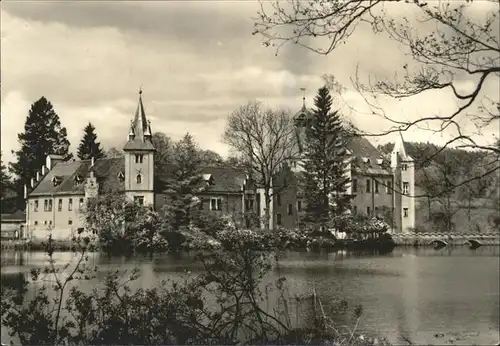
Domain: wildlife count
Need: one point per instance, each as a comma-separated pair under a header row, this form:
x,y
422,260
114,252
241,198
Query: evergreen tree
x,y
89,147
185,182
5,185
324,163
43,135
4,178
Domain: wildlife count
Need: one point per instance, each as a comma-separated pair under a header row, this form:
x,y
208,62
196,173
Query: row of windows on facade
x,y
70,222
404,166
47,204
376,186
376,211
354,209
216,204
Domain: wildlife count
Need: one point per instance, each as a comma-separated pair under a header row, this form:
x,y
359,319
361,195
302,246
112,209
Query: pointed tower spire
x,y
400,148
140,129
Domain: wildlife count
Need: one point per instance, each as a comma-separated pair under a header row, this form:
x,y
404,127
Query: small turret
x,y
131,134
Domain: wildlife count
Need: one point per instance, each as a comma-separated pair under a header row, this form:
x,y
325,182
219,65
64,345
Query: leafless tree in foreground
x,y
265,139
458,47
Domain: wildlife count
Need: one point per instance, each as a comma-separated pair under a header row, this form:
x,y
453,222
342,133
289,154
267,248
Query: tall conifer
x,y
89,146
185,182
324,163
43,135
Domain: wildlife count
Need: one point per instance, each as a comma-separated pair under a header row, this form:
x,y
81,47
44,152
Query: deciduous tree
x,y
114,152
164,154
448,41
265,139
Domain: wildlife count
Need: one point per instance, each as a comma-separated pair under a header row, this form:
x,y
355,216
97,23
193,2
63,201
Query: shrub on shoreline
x,y
179,313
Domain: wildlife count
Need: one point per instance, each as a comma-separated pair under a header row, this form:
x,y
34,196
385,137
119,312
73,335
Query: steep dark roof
x,y
106,170
137,144
16,216
225,179
359,147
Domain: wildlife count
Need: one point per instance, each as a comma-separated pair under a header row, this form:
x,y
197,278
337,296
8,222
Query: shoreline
x,y
403,240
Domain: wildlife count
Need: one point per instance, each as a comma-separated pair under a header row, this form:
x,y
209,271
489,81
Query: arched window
x,y
138,179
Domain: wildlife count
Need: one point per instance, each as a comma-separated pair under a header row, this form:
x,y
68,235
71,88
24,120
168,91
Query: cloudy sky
x,y
196,62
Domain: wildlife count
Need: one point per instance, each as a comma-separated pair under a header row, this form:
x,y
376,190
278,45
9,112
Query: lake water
x,y
411,293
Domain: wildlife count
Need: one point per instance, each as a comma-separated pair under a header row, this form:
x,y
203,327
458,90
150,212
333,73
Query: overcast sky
x,y
195,61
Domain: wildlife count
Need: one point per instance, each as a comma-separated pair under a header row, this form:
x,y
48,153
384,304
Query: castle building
x,y
57,195
380,186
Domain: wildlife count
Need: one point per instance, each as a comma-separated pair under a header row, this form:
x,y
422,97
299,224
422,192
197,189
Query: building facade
x,y
380,186
57,195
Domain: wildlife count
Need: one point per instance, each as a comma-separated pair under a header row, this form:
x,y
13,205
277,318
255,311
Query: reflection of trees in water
x,y
13,281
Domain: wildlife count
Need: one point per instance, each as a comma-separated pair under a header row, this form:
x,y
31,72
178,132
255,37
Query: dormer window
x,y
366,160
404,167
138,179
78,179
56,180
380,161
139,158
121,177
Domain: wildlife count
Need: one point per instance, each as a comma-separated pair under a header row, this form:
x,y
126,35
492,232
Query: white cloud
x,y
193,71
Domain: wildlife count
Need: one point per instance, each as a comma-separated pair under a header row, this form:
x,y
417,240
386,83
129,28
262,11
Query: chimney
x,y
380,161
37,175
32,182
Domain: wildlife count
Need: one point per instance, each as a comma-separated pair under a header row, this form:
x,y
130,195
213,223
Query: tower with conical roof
x,y
139,158
403,168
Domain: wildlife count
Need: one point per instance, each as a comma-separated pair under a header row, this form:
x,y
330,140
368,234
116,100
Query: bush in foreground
x,y
223,305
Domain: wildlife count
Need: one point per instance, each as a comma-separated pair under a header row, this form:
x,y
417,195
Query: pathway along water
x,y
424,295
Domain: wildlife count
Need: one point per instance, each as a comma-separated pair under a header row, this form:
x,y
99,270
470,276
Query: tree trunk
x,y
429,208
469,202
267,201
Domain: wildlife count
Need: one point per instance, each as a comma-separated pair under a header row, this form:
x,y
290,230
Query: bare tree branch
x,y
266,140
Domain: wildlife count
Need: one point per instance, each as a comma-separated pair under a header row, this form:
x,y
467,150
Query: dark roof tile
x,y
106,171
225,179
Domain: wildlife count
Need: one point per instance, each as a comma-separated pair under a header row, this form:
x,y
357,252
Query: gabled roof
x,y
358,147
106,170
224,179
